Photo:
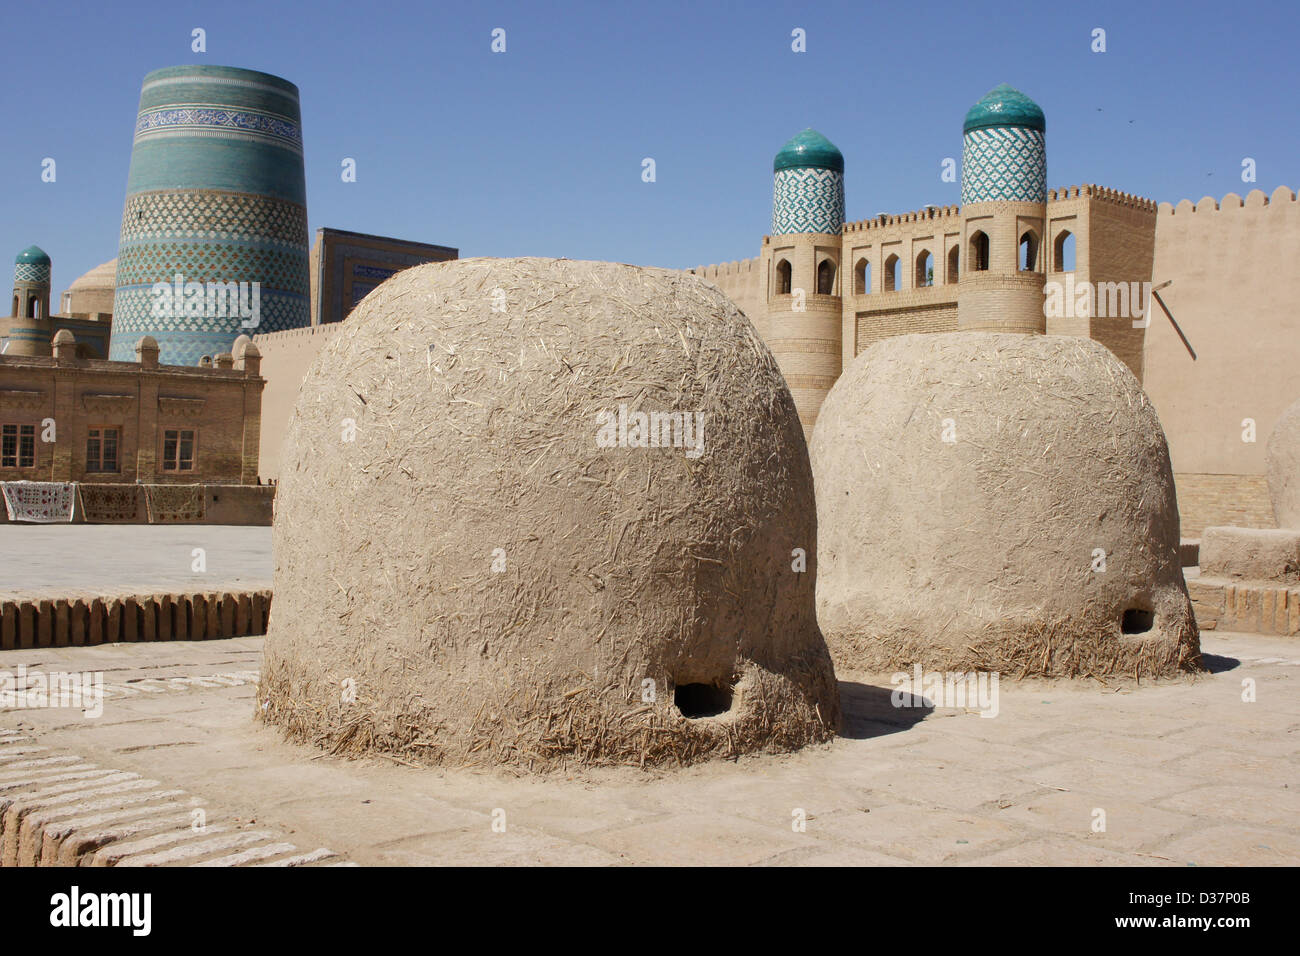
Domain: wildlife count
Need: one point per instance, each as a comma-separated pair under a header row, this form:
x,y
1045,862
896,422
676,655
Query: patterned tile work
x,y
206,119
184,340
207,236
143,264
807,200
204,214
1007,163
32,272
373,272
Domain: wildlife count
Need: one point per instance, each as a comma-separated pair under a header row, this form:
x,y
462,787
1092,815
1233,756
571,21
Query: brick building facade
x,y
66,418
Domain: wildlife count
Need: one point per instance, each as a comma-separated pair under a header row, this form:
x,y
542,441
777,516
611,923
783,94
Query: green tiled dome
x,y
32,255
1005,106
809,150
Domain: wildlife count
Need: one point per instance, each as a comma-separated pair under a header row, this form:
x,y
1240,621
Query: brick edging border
x,y
76,622
1252,607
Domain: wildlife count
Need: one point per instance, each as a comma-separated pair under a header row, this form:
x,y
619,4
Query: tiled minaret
x,y
216,194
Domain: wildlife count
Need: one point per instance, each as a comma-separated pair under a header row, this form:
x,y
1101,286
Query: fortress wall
x,y
744,283
1068,210
873,327
1234,296
876,314
286,357
945,218
934,230
1121,250
1207,500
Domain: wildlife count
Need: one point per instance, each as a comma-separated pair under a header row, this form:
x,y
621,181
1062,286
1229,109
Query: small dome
x,y
103,276
1005,106
64,337
32,255
93,292
809,149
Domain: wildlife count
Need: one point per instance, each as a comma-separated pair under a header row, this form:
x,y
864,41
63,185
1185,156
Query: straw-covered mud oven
x,y
1000,502
539,512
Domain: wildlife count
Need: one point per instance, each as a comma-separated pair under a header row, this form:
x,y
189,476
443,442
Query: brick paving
x,y
1116,773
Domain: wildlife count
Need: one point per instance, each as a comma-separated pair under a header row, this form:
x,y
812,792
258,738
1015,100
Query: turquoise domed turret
x,y
1004,152
809,149
808,186
1005,106
31,300
32,254
32,265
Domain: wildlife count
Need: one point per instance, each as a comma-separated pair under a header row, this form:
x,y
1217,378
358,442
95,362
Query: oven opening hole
x,y
1136,620
702,700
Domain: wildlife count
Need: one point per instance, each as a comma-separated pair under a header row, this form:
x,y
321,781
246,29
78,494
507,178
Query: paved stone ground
x,y
1185,773
100,560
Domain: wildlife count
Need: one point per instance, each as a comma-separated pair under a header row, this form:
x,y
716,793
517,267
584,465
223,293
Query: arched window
x,y
1063,255
783,277
33,307
826,278
1029,251
978,259
862,277
892,276
953,254
15,311
924,270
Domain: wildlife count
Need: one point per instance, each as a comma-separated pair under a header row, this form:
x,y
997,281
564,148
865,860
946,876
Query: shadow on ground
x,y
869,711
1216,664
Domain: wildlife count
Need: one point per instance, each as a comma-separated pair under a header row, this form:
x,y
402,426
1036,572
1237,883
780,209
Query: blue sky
x,y
538,151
